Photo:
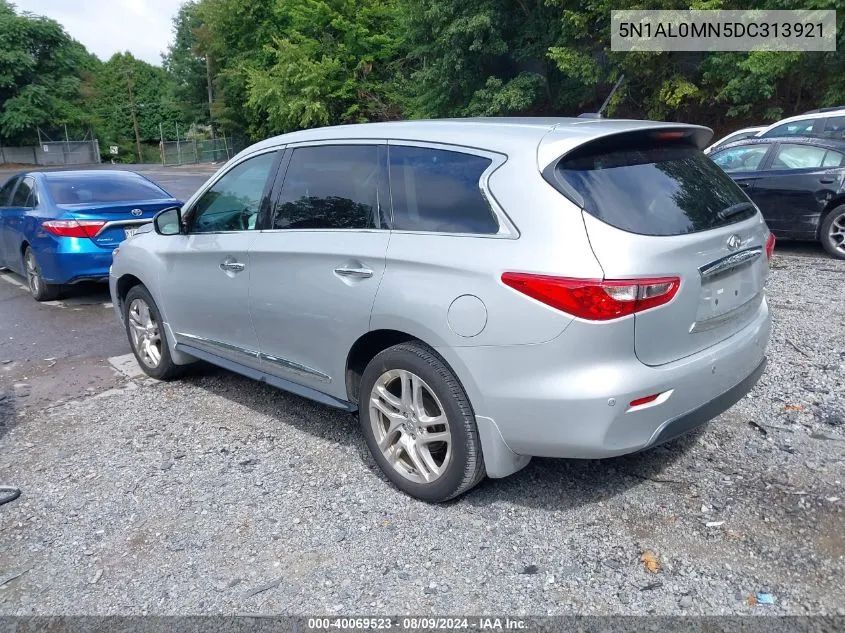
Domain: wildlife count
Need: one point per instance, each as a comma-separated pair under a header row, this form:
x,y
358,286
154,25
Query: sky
x,y
105,27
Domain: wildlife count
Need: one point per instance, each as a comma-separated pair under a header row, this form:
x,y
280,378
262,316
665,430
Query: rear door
x,y
318,262
206,278
794,186
660,209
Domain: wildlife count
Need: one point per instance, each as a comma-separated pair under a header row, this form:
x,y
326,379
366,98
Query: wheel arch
x,y
836,201
124,284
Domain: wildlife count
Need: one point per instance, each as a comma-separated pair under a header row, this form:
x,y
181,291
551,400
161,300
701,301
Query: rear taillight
x,y
595,299
74,228
770,245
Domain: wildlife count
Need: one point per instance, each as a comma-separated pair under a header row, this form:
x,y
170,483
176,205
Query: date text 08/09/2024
x,y
416,624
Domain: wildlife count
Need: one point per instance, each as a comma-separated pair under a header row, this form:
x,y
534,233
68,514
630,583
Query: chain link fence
x,y
192,151
52,153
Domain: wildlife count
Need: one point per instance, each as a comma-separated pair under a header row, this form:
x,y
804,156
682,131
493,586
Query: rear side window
x,y
802,127
23,194
832,159
439,191
654,189
834,127
330,187
103,189
790,156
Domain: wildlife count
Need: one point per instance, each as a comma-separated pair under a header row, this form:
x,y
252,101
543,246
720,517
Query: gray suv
x,y
479,291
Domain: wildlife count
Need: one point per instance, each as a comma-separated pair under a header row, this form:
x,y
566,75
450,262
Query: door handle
x,y
232,267
744,184
827,180
356,273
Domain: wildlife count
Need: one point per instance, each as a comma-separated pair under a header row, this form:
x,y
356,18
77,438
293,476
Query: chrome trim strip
x,y
251,353
284,363
294,367
113,223
737,313
731,261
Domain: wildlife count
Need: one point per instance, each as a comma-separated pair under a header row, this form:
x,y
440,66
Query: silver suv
x,y
480,291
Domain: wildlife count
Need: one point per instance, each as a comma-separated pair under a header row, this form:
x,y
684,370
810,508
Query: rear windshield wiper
x,y
736,209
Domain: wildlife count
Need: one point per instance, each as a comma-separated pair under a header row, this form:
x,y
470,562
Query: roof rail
x,y
828,109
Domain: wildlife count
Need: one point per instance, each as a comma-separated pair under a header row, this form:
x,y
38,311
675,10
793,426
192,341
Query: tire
x,y
146,335
832,232
438,470
38,288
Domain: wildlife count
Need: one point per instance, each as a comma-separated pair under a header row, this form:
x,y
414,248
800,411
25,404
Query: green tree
x,y
190,65
41,74
128,93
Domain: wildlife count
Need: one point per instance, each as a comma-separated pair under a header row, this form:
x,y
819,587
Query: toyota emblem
x,y
734,242
136,212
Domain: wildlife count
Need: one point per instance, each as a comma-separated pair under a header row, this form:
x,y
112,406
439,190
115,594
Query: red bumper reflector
x,y
644,400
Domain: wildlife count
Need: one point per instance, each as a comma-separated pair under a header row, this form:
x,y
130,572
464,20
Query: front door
x,y
8,257
317,266
205,284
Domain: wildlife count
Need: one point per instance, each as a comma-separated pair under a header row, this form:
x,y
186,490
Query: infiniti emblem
x,y
734,242
136,212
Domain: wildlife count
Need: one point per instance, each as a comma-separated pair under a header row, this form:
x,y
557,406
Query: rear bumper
x,y
70,260
570,397
706,412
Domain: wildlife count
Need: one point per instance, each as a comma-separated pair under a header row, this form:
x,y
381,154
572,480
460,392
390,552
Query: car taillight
x,y
595,299
73,228
770,245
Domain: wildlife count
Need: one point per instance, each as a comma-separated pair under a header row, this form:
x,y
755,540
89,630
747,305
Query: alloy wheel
x,y
836,233
32,276
410,426
145,333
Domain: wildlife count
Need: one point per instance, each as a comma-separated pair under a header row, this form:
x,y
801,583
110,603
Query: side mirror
x,y
168,221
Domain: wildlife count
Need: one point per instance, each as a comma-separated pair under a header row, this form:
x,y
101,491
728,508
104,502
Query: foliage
x,y
41,74
260,67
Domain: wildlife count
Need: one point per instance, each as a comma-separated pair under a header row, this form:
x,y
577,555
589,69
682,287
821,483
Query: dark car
x,y
798,183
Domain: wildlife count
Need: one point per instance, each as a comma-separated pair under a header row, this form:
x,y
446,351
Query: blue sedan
x,y
61,227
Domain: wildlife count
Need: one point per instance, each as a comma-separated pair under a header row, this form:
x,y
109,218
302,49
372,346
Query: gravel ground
x,y
215,494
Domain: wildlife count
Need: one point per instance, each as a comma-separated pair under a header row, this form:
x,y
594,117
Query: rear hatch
x,y
119,219
655,206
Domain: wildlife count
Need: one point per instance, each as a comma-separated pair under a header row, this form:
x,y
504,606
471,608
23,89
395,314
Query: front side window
x,y
746,158
6,191
439,191
802,127
789,156
23,194
233,202
330,187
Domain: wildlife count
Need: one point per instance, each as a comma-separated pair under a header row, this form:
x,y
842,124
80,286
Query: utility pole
x,y
210,92
134,118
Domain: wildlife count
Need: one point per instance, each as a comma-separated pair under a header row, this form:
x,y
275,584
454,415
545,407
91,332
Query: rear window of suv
x,y
654,189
